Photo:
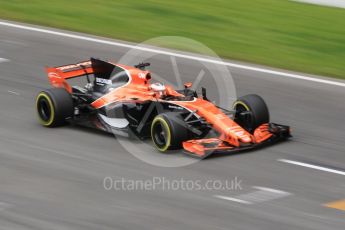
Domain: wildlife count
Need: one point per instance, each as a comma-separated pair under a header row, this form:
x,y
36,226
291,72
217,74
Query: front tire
x,y
168,131
251,112
54,106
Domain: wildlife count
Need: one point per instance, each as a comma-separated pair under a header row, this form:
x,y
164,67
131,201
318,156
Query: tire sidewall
x,y
43,95
258,108
178,132
60,104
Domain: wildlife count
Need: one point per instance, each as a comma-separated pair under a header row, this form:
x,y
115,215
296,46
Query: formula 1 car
x,y
120,99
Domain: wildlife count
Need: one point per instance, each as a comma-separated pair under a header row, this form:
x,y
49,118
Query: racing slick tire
x,y
251,111
168,131
54,106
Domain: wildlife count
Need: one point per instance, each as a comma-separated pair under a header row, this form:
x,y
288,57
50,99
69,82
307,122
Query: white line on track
x,y
312,166
261,194
271,190
159,51
13,92
232,199
331,3
4,60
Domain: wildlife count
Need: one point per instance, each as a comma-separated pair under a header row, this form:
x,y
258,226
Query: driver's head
x,y
158,88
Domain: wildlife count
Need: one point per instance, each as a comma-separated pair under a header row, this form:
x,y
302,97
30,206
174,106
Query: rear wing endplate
x,y
58,75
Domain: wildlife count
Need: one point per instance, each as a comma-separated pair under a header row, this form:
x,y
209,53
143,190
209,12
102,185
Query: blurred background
x,y
280,33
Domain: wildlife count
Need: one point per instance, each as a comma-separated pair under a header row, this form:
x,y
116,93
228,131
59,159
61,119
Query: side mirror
x,y
187,85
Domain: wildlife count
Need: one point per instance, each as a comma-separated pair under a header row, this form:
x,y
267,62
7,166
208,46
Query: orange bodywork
x,y
58,75
138,89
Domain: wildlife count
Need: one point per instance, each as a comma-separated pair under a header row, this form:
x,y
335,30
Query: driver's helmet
x,y
158,88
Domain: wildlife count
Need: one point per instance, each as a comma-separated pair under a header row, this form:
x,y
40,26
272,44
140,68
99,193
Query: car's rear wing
x,y
73,70
58,75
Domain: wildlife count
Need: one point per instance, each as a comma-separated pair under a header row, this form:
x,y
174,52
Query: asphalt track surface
x,y
53,178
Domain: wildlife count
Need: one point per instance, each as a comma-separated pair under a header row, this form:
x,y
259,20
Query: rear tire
x,y
54,106
251,112
168,131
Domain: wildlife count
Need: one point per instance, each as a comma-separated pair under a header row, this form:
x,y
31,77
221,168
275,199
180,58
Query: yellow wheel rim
x,y
165,124
241,103
51,107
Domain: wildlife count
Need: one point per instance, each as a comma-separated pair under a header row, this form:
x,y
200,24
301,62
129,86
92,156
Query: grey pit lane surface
x,y
53,178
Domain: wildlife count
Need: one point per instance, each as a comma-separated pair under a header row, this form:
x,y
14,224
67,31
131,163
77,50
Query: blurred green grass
x,y
278,33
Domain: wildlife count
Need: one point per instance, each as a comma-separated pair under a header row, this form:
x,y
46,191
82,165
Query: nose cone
x,y
246,139
241,134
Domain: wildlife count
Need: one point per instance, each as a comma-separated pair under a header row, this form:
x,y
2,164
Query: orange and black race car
x,y
120,99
